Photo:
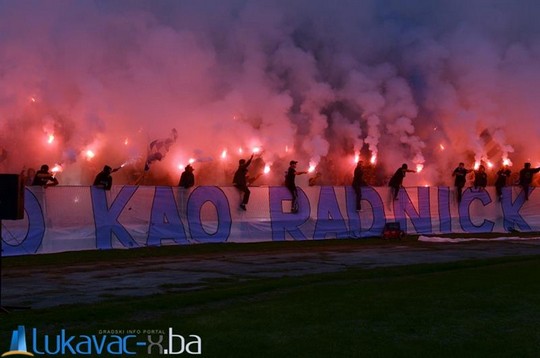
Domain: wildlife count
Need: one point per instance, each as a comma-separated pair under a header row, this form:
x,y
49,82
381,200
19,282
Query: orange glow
x,y
419,167
507,161
490,164
373,159
442,146
57,169
356,158
476,165
90,154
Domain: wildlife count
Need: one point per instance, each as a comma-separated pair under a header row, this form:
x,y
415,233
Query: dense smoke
x,y
428,83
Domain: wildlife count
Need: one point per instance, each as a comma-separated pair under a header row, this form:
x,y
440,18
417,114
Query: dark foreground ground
x,y
70,279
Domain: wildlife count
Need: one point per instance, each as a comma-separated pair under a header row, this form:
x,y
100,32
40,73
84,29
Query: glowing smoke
x,y
305,80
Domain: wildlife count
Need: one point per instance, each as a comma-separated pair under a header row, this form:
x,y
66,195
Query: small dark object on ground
x,y
393,231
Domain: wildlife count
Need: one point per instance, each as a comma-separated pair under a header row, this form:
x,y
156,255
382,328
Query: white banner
x,y
67,218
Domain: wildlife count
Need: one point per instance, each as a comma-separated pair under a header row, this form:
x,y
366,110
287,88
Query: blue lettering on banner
x,y
512,217
420,219
464,214
106,219
329,217
215,196
287,222
36,229
204,215
445,218
375,201
165,222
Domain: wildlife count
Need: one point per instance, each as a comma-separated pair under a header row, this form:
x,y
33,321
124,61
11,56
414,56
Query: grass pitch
x,y
481,308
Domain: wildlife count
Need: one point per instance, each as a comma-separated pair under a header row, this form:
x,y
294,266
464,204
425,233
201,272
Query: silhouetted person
x,y
28,176
44,178
240,180
396,182
480,178
460,174
525,178
502,178
358,182
187,179
290,183
104,179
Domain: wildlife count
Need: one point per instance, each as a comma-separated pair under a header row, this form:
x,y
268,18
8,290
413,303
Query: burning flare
x,y
57,168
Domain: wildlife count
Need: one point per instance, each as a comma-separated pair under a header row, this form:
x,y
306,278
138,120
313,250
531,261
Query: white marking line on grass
x,y
445,239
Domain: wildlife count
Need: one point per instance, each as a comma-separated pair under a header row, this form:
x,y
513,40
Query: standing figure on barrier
x,y
525,178
480,178
357,183
290,183
104,178
187,179
502,178
240,180
460,174
396,182
44,178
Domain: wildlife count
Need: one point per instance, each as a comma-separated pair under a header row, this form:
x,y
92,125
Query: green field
x,y
481,308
